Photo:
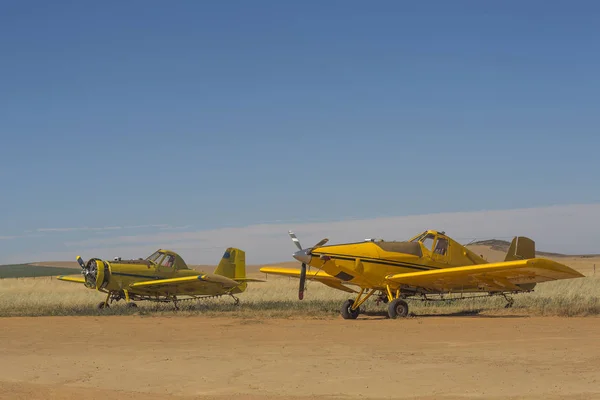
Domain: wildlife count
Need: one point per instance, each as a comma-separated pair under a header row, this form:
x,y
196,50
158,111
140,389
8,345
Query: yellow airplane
x,y
428,266
162,277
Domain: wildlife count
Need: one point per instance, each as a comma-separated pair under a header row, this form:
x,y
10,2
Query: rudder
x,y
233,266
521,248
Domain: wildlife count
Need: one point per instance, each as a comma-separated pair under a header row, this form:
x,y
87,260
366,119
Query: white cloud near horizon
x,y
103,228
567,229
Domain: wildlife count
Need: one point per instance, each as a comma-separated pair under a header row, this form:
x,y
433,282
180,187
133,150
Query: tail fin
x,y
233,266
520,248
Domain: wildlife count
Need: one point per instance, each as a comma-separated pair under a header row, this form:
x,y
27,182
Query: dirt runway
x,y
217,358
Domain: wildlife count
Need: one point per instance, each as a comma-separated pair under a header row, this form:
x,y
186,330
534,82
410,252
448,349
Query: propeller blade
x,y
80,262
302,281
295,240
321,243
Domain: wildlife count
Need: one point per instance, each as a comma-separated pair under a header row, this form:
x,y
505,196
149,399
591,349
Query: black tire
x,y
398,308
131,305
347,312
103,305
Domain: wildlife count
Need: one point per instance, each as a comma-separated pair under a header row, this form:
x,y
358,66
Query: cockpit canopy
x,y
167,259
428,238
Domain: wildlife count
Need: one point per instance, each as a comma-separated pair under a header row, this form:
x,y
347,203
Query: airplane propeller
x,y
304,256
88,270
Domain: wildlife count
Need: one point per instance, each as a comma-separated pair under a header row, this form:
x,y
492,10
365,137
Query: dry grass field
x,y
277,298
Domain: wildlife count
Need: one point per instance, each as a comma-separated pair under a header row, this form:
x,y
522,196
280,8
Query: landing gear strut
x,y
397,308
236,301
104,304
117,296
351,308
509,301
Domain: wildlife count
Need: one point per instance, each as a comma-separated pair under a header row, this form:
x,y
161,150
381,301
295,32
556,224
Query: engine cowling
x,y
96,273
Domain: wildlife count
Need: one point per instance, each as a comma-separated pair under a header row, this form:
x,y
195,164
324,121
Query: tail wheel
x,y
347,311
398,308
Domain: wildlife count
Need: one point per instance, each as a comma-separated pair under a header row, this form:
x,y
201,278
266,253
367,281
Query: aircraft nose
x,y
302,256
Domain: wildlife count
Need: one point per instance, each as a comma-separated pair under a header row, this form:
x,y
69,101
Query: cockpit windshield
x,y
426,239
154,256
419,237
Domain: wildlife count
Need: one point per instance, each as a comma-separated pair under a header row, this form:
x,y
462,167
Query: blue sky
x,y
188,116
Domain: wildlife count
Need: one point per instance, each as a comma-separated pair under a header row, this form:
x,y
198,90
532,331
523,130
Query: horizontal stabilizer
x,y
248,280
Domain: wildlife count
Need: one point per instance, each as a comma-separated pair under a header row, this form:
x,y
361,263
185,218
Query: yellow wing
x,y
72,278
501,276
318,276
208,284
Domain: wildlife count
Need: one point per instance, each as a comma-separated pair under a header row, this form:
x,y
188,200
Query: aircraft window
x,y
441,247
168,261
154,256
428,241
419,238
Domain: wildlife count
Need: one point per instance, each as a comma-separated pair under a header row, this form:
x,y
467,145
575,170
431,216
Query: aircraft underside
x,y
129,298
398,307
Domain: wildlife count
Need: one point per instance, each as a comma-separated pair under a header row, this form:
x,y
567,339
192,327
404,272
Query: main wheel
x,y
397,308
347,311
103,305
131,305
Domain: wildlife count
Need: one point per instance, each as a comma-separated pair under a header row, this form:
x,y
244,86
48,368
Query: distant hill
x,y
31,271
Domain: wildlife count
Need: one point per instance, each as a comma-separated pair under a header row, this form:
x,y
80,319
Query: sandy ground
x,y
448,357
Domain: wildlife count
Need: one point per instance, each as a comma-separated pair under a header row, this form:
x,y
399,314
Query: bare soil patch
x,y
178,357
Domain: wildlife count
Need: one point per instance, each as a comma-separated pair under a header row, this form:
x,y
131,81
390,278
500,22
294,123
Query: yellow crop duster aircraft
x,y
428,266
162,277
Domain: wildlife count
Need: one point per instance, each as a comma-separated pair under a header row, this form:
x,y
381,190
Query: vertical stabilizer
x,y
521,248
233,265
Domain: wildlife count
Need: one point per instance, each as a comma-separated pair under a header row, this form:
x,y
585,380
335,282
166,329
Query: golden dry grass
x,y
277,297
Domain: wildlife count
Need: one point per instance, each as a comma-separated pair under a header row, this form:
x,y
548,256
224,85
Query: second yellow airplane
x,y
162,277
429,264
